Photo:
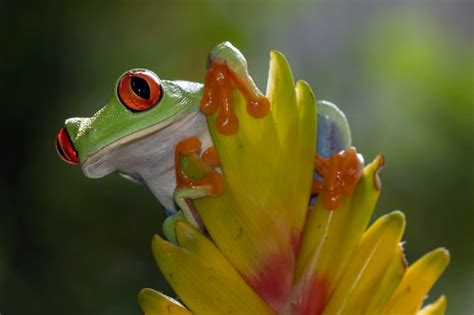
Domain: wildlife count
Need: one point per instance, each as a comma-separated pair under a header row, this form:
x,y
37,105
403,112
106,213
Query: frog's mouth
x,y
106,160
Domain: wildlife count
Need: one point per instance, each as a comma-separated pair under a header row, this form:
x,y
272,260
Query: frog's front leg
x,y
195,178
227,70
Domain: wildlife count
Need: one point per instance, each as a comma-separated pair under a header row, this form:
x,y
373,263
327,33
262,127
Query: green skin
x,y
141,145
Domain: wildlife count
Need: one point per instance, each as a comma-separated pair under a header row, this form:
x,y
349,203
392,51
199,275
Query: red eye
x,y
65,147
139,90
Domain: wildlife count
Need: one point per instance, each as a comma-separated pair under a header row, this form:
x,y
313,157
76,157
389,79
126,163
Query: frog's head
x,y
141,105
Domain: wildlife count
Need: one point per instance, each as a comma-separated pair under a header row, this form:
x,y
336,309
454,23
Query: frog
x,y
138,129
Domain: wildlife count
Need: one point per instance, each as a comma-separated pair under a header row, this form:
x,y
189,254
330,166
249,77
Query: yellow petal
x,y
204,280
389,283
156,303
367,266
268,169
328,241
281,93
301,151
437,308
416,283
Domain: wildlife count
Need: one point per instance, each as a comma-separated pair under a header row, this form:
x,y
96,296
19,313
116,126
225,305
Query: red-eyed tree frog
x,y
137,131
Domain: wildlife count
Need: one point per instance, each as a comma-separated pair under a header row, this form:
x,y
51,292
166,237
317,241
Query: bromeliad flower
x,y
246,240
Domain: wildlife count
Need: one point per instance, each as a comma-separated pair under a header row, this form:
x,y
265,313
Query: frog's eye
x,y
65,148
139,90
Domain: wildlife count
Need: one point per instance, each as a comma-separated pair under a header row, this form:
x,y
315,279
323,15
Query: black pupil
x,y
140,87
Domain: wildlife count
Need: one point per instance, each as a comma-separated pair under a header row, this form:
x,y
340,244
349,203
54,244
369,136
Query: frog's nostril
x,y
65,148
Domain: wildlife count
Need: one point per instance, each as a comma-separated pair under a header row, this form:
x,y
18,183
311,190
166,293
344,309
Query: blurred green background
x,y
402,71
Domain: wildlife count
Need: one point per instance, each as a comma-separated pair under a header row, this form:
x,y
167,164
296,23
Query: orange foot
x,y
340,174
189,148
210,157
218,85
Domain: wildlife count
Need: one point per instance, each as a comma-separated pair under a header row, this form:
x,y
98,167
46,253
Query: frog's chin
x,y
97,168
